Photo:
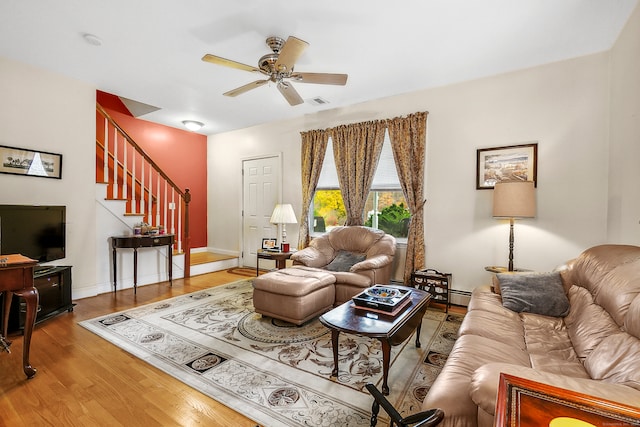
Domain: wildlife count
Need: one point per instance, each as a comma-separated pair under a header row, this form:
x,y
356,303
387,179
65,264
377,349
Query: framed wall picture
x,y
509,163
21,161
526,403
269,244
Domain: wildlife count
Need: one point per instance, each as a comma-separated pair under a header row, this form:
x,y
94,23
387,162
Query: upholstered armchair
x,y
358,257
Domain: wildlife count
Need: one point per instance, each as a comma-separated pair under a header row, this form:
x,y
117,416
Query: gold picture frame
x,y
526,403
22,161
508,163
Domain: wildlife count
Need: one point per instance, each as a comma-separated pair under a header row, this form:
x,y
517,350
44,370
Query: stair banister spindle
x,y
115,163
134,197
173,212
179,226
142,207
125,168
149,200
158,223
105,160
165,203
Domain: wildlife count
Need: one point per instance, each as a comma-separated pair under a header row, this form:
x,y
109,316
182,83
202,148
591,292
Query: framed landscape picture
x,y
21,161
509,163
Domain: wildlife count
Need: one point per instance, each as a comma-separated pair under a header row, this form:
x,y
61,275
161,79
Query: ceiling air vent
x,y
317,101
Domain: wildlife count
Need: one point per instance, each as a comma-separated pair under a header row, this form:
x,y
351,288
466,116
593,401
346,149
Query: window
x,y
385,209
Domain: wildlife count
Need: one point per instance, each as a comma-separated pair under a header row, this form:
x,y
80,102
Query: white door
x,y
261,192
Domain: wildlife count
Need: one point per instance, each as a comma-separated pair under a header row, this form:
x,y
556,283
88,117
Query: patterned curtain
x,y
314,146
408,141
356,149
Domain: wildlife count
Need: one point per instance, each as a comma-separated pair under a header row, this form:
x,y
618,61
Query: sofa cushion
x,y
354,238
539,293
504,327
344,260
616,360
587,322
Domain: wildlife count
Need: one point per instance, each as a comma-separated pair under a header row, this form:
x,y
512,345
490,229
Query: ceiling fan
x,y
278,67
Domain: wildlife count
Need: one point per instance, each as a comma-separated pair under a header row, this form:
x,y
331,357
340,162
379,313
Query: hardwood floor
x,y
83,380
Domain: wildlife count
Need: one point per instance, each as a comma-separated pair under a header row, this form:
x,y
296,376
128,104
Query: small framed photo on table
x,y
269,244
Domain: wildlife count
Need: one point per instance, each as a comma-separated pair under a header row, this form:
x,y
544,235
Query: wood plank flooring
x,y
83,380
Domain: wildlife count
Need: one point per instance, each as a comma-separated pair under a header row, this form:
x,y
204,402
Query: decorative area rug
x,y
273,372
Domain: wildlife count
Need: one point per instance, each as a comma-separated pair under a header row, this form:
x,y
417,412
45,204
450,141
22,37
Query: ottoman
x,y
295,294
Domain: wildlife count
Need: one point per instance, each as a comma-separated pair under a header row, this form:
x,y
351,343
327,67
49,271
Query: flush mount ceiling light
x,y
92,39
192,125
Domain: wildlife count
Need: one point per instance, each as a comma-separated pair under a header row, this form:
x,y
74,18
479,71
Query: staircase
x,y
133,178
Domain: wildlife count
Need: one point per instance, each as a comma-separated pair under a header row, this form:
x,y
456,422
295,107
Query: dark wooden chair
x,y
429,418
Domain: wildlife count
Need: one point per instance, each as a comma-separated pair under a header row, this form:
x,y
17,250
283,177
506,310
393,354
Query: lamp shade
x,y
514,199
283,214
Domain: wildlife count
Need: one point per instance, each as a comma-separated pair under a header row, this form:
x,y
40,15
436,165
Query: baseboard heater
x,y
460,297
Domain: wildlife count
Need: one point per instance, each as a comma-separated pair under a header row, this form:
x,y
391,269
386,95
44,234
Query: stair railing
x,y
132,175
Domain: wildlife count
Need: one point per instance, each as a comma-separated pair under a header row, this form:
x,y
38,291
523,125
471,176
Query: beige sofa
x,y
594,348
358,257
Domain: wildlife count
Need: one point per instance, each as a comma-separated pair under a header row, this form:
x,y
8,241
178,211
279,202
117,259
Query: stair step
x,y
205,257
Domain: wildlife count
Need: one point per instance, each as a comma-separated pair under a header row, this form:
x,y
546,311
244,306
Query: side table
x,y
279,257
138,241
499,269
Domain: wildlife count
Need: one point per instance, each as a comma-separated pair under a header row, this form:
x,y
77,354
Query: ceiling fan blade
x,y
246,88
229,63
292,96
290,53
321,78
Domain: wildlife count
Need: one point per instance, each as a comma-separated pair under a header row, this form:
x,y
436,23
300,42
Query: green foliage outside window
x,y
393,219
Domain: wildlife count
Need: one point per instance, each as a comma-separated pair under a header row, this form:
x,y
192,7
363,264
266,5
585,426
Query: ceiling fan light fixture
x,y
192,125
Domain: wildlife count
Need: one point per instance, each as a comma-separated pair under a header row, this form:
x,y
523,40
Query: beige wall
x,y
45,111
624,160
563,106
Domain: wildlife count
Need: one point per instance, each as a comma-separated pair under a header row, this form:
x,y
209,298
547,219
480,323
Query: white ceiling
x,y
151,49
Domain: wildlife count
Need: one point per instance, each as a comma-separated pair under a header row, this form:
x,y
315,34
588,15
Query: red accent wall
x,y
181,154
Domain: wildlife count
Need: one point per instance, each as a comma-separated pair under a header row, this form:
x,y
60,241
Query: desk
x,y
279,257
135,242
16,277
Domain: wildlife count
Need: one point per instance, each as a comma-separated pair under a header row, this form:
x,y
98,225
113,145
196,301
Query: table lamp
x,y
514,199
283,214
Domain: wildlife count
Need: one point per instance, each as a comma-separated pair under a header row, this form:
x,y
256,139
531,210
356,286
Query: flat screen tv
x,y
37,232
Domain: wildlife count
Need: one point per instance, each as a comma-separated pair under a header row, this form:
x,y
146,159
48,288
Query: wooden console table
x,y
134,242
16,277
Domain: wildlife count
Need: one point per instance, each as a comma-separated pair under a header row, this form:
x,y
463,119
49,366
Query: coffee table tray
x,y
370,299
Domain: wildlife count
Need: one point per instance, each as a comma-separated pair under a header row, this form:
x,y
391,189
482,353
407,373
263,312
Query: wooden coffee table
x,y
390,330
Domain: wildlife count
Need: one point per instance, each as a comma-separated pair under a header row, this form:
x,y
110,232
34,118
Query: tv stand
x,y
54,286
41,270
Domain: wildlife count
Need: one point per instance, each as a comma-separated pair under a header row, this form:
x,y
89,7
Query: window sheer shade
x,y
385,178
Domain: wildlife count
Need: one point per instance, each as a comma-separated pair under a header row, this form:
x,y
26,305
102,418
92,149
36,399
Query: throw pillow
x,y
345,260
539,293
